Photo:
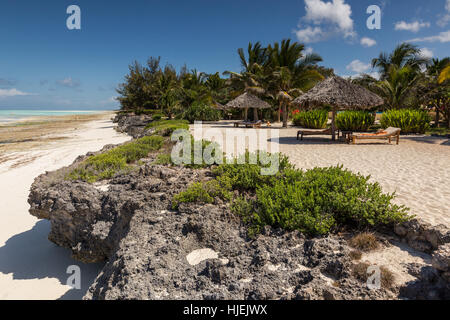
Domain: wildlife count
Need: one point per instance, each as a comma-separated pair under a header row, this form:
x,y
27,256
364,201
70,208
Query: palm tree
x,y
404,55
290,72
434,91
398,86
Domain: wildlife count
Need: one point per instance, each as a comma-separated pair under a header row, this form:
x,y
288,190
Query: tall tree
x,y
290,72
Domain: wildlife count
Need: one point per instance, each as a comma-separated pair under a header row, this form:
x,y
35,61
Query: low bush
x,y
108,164
202,192
314,119
410,121
315,202
356,121
167,127
201,112
157,116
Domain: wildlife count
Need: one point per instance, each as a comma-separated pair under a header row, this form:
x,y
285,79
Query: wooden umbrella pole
x,y
333,124
255,114
246,114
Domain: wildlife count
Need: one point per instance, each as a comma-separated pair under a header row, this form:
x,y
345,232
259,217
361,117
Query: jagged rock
x,y
423,236
441,258
134,125
146,243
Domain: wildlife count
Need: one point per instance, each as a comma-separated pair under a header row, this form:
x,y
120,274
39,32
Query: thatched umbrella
x,y
247,100
340,94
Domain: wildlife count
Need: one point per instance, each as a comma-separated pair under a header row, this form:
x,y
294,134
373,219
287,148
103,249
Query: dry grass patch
x,y
364,242
387,279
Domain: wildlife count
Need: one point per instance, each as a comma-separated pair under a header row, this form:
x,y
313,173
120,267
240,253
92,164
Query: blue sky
x,y
45,65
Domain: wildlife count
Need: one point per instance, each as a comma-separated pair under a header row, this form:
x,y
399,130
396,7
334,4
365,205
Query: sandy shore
x,y
31,267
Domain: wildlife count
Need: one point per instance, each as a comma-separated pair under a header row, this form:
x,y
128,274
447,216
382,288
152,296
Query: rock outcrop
x,y
194,252
134,125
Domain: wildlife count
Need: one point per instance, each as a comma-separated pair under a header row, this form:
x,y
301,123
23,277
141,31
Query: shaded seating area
x,y
385,134
246,101
308,132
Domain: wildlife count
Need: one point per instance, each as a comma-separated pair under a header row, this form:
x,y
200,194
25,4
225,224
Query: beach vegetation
x,y
316,201
117,160
355,121
167,127
314,119
365,241
409,120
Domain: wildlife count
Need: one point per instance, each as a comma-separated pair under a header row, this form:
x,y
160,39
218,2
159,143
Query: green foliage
x,y
242,175
320,200
314,119
108,164
201,112
410,121
356,121
157,116
202,192
167,127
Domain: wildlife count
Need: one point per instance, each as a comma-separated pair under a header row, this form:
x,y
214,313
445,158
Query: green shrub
x,y
410,121
321,200
108,164
314,119
202,192
157,116
356,121
167,127
201,112
247,176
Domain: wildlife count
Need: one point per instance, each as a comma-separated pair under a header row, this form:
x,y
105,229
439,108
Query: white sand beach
x,y
31,267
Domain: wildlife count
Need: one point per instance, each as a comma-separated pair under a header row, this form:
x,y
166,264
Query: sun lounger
x,y
386,134
326,132
249,124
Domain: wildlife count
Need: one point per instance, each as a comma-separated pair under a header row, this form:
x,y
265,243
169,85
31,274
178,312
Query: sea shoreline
x,y
31,267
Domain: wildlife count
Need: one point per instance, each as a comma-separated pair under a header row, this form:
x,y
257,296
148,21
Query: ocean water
x,y
8,116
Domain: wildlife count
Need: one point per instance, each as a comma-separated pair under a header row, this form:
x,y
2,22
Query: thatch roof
x,y
339,93
247,100
219,106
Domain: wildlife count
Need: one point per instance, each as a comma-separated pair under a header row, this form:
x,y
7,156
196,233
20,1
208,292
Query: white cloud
x,y
358,66
323,19
310,34
69,82
367,42
412,26
426,53
309,50
442,37
445,19
12,93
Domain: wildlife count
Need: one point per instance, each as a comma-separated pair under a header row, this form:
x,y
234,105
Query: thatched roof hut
x,y
340,94
247,100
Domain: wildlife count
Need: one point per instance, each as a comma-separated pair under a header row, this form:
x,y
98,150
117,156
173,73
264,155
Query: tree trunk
x,y
279,112
285,115
436,120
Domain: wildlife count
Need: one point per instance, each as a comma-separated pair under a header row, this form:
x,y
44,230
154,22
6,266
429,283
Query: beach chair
x,y
248,124
324,132
386,134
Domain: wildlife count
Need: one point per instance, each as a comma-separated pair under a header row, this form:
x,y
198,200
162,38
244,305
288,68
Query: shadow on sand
x,y
30,255
322,141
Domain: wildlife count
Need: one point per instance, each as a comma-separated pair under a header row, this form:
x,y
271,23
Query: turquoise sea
x,y
7,116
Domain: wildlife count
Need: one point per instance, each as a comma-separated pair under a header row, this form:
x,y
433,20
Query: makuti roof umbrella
x,y
247,100
340,94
